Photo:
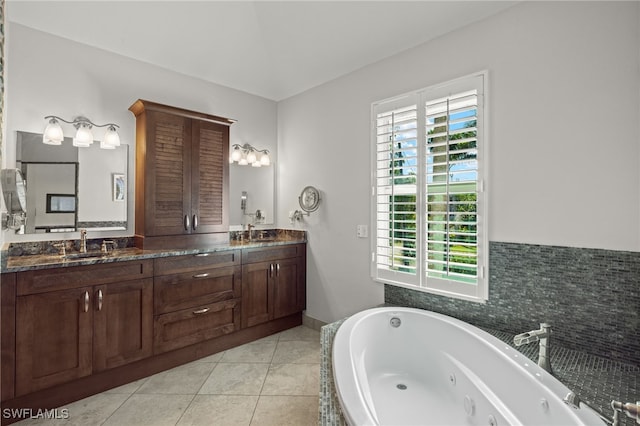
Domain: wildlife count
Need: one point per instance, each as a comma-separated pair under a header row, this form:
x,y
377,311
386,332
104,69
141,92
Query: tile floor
x,y
272,381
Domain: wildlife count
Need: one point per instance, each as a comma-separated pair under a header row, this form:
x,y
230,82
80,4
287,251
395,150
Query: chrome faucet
x,y
631,410
542,335
83,240
249,227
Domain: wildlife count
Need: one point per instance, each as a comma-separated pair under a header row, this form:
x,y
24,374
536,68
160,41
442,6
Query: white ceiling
x,y
273,49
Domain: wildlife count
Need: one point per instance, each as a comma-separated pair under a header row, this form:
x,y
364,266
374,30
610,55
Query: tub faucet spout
x,y
542,335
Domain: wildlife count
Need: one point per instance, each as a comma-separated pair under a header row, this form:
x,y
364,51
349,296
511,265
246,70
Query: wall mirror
x,y
259,185
70,188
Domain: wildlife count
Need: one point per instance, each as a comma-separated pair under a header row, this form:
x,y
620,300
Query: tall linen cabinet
x,y
182,177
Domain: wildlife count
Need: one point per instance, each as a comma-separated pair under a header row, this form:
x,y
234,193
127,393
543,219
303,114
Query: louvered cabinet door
x,y
168,177
209,174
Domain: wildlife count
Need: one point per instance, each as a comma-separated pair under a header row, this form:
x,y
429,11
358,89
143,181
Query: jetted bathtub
x,y
403,366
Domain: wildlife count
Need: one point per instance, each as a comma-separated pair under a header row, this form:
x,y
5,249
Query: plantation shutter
x,y
396,206
428,200
452,187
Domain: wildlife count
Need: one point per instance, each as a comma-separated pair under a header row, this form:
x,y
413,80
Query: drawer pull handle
x,y
201,255
201,311
100,300
85,308
205,275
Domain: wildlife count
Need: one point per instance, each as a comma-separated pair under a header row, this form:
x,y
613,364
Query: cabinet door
x,y
257,293
287,299
53,338
209,177
167,181
123,323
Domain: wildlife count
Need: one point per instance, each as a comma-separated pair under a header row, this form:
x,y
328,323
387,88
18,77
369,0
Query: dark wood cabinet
x,y
53,338
182,177
273,283
197,298
64,334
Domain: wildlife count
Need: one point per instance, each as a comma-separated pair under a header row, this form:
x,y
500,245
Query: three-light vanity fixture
x,y
248,155
53,134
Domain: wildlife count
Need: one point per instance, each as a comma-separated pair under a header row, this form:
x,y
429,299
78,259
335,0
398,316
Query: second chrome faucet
x,y
542,335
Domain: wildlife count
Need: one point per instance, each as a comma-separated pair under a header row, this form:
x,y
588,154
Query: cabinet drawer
x,y
192,262
43,280
196,288
272,253
189,326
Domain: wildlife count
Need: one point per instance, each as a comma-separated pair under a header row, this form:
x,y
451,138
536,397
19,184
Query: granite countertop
x,y
18,259
594,379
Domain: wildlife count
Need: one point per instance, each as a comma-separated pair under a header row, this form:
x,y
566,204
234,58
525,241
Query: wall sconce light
x,y
53,134
247,154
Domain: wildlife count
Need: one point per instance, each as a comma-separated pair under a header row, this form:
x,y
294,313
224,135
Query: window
x,y
428,197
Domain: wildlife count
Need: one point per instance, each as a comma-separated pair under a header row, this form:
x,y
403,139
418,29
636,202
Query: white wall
x,y
48,75
564,138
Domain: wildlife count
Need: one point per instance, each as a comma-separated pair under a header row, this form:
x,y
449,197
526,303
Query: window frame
x,y
420,281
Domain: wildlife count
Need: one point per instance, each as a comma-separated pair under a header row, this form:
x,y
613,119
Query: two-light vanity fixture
x,y
84,137
248,155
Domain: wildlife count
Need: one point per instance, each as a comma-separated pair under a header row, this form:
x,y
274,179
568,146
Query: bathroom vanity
x,y
75,327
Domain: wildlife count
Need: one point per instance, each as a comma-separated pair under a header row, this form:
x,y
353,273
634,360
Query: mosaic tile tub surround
x,y
591,297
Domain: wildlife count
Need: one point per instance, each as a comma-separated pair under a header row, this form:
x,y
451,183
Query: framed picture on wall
x,y
61,203
119,186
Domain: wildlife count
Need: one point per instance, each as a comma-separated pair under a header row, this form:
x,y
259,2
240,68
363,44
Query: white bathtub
x,y
435,370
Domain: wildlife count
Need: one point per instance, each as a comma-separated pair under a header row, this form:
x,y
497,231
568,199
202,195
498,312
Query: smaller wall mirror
x,y
259,185
15,199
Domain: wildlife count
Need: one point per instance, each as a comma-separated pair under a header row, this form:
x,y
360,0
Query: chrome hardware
x,y
542,335
187,223
62,248
395,322
104,248
271,270
195,222
249,227
86,302
574,401
83,240
631,410
204,275
100,298
201,311
277,270
201,255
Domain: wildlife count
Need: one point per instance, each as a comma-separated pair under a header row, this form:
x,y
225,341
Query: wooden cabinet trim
x,y
195,262
46,280
265,254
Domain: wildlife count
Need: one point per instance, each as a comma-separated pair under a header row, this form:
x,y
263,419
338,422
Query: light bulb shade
x,y
251,157
53,133
243,160
111,139
265,160
256,164
236,155
83,137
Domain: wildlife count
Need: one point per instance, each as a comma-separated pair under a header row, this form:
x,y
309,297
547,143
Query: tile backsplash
x,y
591,297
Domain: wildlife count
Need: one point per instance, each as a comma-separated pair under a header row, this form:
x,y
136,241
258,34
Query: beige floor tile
x,y
185,379
297,352
292,379
235,379
299,333
286,410
224,410
88,411
150,410
261,351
